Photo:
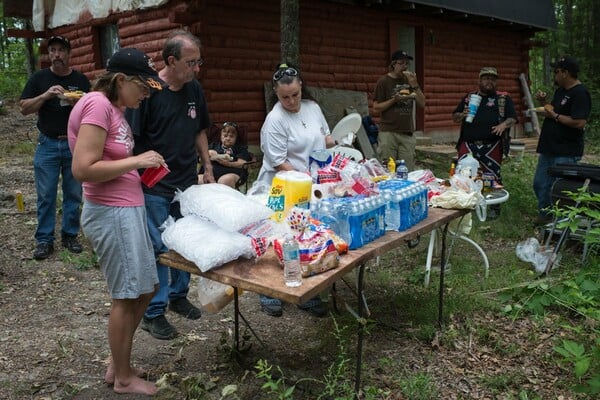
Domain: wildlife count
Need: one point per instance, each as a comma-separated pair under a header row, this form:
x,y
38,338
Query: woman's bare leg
x,y
229,179
124,318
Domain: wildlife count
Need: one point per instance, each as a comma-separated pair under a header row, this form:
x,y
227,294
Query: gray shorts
x,y
119,236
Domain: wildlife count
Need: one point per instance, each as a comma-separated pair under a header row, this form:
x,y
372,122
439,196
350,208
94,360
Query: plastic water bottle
x,y
291,262
402,171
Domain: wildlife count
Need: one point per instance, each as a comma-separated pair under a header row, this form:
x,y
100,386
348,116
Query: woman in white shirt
x,y
293,129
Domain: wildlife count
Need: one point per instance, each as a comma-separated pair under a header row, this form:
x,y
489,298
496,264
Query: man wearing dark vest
x,y
483,137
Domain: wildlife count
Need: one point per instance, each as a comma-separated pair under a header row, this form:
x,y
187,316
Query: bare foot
x,y
136,385
109,377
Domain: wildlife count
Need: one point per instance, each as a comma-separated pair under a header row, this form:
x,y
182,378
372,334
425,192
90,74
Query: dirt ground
x,y
54,313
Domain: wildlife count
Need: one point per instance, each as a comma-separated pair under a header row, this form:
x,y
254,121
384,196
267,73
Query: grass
x,y
399,301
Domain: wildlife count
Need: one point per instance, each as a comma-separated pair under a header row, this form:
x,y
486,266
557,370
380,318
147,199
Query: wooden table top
x,y
264,275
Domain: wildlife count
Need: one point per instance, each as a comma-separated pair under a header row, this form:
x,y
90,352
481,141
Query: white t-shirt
x,y
291,137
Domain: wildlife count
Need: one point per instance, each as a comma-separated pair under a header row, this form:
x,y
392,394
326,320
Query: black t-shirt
x,y
168,122
488,115
52,117
557,139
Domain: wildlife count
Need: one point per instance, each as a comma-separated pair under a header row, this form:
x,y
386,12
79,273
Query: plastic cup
x,y
152,176
474,102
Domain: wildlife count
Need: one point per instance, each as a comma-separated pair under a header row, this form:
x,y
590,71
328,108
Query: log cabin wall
x,y
342,46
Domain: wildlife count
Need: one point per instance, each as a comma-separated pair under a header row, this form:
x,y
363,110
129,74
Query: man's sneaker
x,y
72,244
183,307
43,251
159,328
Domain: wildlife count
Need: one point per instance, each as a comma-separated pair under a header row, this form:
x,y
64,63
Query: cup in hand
x,y
151,176
474,102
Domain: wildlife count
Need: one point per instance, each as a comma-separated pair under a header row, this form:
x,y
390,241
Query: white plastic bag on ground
x,y
223,205
204,243
530,250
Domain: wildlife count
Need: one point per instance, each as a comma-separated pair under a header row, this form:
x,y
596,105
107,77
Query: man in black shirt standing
x,y
44,94
561,139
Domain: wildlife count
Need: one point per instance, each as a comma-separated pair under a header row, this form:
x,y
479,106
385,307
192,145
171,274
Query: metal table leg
x,y
361,327
442,270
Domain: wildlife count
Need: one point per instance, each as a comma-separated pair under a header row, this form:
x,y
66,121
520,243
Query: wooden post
x,y
530,105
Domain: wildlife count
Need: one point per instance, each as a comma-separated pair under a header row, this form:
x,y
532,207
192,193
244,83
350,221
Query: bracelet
x,y
556,118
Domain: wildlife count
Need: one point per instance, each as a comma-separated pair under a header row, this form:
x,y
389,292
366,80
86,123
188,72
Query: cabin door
x,y
408,38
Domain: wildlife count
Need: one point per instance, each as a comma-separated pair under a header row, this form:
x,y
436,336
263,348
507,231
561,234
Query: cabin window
x,y
108,38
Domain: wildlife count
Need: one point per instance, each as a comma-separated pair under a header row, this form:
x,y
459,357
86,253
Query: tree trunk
x,y
290,32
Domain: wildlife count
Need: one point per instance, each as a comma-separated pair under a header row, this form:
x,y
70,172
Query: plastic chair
x,y
349,152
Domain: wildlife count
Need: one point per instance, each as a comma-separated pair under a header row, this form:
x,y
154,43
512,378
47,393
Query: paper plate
x,y
348,126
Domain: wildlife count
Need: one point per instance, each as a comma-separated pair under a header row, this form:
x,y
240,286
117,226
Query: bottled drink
x,y
291,262
402,171
452,168
391,166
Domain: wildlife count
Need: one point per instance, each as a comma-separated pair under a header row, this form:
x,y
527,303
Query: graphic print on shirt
x,y
125,137
404,105
192,110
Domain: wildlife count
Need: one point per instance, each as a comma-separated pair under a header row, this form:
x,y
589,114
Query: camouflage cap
x,y
488,71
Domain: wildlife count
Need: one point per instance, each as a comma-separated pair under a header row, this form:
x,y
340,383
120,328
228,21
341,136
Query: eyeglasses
x,y
232,124
281,72
193,63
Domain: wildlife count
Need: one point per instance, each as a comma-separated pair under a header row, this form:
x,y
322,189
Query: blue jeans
x,y
542,181
53,158
158,209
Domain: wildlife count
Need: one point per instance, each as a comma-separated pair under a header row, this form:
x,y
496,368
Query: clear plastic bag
x,y
530,250
213,295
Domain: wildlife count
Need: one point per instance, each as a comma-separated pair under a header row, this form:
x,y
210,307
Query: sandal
x,y
315,307
271,306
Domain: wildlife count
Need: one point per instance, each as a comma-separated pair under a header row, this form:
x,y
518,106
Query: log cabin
x,y
343,45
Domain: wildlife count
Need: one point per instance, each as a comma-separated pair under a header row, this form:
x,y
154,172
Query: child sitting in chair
x,y
228,157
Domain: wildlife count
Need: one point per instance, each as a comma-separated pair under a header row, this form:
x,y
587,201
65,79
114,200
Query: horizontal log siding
x,y
341,46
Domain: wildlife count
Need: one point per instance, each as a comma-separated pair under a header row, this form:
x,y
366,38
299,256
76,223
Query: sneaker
x,y
159,328
271,306
43,251
314,307
184,308
72,244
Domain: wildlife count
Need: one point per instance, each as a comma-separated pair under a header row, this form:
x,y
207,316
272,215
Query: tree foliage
x,y
14,65
577,35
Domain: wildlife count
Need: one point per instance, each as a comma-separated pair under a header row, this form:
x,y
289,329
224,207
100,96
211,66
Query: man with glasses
x,y
395,96
483,137
44,94
174,123
561,138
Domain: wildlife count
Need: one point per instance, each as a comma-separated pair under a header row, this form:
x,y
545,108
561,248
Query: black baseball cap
x,y
60,39
568,64
133,62
400,54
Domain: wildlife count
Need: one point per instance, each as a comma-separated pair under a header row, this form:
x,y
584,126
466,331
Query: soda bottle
x,y
291,262
402,171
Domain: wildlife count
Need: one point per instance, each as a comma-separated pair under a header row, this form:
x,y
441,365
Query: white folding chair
x,y
349,152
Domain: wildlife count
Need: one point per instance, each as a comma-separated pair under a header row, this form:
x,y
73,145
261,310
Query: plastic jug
x,y
468,166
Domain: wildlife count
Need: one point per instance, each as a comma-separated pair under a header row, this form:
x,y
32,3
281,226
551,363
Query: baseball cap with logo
x,y
133,62
568,64
400,54
60,39
488,71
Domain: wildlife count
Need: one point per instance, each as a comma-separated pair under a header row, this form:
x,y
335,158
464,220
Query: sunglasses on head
x,y
286,71
232,124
